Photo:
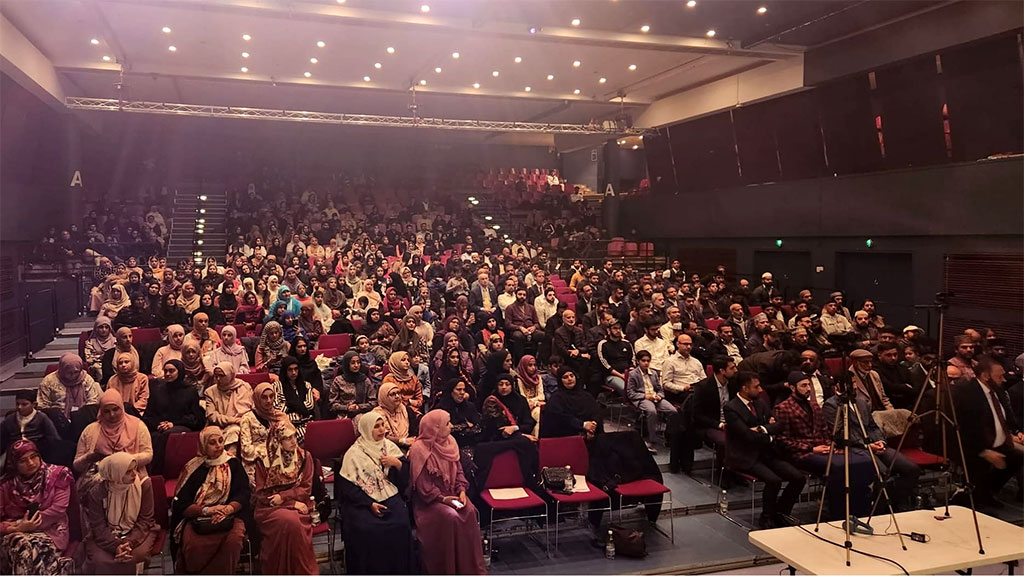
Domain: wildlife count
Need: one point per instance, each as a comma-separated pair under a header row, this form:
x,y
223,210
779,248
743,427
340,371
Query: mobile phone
x,y
458,504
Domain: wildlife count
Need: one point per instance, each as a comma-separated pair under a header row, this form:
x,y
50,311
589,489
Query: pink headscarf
x,y
122,434
435,450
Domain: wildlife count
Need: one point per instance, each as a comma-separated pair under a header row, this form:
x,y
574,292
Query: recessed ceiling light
x,y
645,28
423,82
602,80
691,4
711,33
94,42
551,76
246,37
391,50
528,89
307,74
518,59
313,60
320,44
576,63
424,8
166,30
476,85
437,70
495,73
455,55
377,65
172,48
575,22
244,69
366,78
106,58
576,91
762,10
341,1
245,54
632,67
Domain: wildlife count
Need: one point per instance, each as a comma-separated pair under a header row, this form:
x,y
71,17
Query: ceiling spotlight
x,y
313,60
320,44
474,202
423,82
762,10
391,50
166,30
307,74
533,29
471,198
244,69
576,63
106,58
691,4
341,1
202,198
455,55
94,42
602,80
476,85
711,33
366,78
488,218
576,91
437,70
495,73
172,48
377,65
496,227
551,76
424,8
246,37
632,67
245,54
645,28
518,59
636,146
575,22
528,89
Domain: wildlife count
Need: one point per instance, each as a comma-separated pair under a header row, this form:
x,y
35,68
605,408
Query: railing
x,y
31,321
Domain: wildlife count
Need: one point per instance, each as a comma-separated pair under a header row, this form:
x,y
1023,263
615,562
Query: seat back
x,y
505,472
83,338
755,310
714,323
181,448
329,439
160,509
340,342
835,366
329,352
565,451
254,378
145,336
51,368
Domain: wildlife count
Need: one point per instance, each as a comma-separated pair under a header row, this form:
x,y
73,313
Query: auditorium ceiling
x,y
528,60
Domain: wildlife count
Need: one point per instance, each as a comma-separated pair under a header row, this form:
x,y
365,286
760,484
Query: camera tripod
x,y
846,402
943,403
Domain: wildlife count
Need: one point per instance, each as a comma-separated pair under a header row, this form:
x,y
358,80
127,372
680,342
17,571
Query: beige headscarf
x,y
123,500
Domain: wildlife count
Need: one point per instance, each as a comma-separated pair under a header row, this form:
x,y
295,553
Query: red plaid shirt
x,y
799,432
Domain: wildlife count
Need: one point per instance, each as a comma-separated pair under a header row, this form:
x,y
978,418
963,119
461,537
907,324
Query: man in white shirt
x,y
832,322
509,295
822,386
655,344
681,371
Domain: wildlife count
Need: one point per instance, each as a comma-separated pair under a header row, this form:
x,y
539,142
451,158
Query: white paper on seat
x,y
581,484
507,493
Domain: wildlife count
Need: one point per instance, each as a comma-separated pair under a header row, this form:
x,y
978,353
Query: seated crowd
x,y
445,352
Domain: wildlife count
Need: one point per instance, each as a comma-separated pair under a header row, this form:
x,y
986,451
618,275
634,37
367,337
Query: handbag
x,y
558,479
204,525
628,542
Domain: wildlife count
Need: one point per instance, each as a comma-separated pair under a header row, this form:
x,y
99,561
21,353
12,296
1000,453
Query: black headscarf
x,y
180,381
515,403
576,404
398,284
308,368
293,402
355,378
494,367
370,327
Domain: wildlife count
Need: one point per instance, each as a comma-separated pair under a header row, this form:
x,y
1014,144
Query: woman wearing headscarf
x,y
284,294
227,400
171,351
571,410
173,407
295,397
401,375
213,314
453,368
170,313
308,321
409,340
249,312
168,283
290,329
352,391
117,301
449,533
372,296
271,349
531,389
230,350
212,491
201,334
114,431
401,422
497,363
284,486
130,383
453,326
189,300
256,426
34,498
375,520
195,371
101,340
227,304
118,521
465,418
64,392
505,413
308,368
393,307
122,345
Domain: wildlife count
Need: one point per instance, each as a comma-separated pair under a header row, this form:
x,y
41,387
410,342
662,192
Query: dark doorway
x,y
886,279
791,271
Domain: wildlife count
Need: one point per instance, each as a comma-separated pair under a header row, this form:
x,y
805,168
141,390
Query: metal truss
x,y
210,111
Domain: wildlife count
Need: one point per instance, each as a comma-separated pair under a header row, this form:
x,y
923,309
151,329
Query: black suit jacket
x,y
972,408
706,411
476,299
746,447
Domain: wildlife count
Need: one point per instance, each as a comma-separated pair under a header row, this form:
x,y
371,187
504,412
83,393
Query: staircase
x,y
488,206
189,208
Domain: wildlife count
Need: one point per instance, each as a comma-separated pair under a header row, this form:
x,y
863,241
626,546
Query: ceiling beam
x,y
28,66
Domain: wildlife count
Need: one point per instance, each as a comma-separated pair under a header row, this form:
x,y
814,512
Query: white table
x,y
953,544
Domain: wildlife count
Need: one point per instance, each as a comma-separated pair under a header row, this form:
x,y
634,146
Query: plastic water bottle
x,y
568,479
314,512
723,503
487,553
609,547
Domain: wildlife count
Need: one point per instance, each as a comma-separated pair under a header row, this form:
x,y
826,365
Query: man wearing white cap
x,y
910,336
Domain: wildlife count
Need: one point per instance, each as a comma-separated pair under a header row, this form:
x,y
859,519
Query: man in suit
x,y
585,302
709,399
483,297
992,439
727,345
822,386
750,428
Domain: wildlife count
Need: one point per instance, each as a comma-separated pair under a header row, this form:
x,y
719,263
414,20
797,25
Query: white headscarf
x,y
362,464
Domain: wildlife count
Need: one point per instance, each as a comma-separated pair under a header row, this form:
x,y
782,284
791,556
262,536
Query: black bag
x,y
554,479
628,542
204,525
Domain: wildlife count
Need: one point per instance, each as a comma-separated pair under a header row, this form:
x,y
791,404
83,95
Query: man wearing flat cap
x,y
866,381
